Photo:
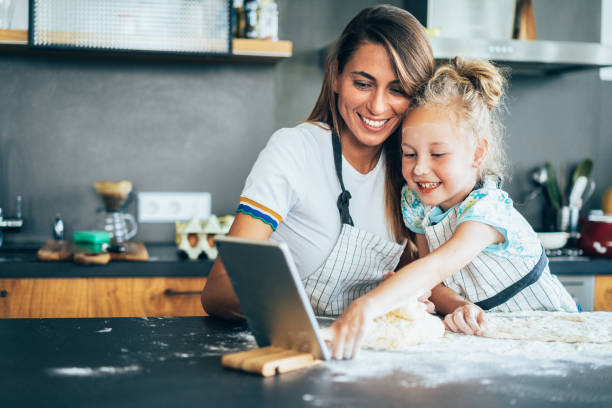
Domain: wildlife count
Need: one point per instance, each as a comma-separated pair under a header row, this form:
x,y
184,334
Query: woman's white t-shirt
x,y
293,187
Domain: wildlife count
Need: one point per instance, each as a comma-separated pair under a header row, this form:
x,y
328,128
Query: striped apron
x,y
498,283
357,262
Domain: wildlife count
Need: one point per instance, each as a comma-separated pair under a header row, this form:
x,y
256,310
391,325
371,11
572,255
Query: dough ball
x,y
404,327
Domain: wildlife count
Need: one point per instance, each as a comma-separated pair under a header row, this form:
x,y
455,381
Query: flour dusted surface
x,y
460,358
586,327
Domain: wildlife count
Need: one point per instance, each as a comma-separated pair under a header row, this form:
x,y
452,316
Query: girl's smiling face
x,y
438,160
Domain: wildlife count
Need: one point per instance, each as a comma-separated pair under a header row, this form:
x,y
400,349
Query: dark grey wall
x,y
560,118
66,122
166,126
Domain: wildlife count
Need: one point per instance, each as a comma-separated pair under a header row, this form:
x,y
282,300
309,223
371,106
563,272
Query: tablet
x,y
271,294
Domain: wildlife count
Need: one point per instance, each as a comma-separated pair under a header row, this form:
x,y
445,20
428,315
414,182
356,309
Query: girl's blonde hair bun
x,y
486,78
472,93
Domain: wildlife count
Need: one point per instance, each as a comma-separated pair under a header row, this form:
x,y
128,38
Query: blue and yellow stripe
x,y
261,212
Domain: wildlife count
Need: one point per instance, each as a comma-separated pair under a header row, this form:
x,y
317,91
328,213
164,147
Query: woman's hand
x,y
424,298
347,333
467,319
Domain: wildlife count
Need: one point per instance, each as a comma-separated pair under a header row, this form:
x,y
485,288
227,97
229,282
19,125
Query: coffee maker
x,y
121,226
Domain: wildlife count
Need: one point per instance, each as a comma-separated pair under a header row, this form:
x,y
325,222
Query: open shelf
x,y
14,37
243,48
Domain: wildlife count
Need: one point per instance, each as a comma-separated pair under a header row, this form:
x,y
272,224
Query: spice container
x,y
260,20
251,18
268,20
238,19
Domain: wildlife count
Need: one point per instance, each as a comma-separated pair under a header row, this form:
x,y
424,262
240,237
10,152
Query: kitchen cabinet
x,y
592,292
581,288
101,297
589,280
244,50
603,292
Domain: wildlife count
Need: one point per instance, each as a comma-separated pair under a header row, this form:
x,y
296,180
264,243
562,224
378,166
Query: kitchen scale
x,y
276,307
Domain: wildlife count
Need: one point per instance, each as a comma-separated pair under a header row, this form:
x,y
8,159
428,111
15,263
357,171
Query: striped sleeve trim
x,y
261,212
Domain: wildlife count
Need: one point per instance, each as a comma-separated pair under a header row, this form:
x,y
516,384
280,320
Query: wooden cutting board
x,y
67,251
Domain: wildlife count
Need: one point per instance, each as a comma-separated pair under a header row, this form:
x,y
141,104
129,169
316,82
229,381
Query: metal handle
x,y
130,220
3,293
588,191
171,292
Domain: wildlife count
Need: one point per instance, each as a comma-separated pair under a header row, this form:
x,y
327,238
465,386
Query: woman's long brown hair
x,y
406,43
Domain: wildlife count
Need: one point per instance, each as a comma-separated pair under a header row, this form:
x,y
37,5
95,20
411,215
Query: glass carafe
x,y
121,226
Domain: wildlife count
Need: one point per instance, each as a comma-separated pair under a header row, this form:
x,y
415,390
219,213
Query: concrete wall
x,y
175,125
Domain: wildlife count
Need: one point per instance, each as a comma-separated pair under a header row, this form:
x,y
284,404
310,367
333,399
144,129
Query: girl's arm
x,y
446,300
218,296
470,238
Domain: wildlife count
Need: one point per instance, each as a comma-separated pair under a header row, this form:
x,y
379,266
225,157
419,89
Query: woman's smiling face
x,y
371,100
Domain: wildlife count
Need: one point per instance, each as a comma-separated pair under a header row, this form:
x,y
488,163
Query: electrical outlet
x,y
170,207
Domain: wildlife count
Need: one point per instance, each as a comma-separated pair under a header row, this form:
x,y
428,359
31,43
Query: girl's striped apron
x,y
498,283
357,262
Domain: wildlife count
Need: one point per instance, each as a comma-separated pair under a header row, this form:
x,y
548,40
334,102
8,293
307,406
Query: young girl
x,y
475,250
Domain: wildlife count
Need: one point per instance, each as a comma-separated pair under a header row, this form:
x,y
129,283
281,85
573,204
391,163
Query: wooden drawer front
x,y
101,297
603,292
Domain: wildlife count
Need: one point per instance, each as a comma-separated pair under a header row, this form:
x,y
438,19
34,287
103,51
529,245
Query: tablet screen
x,y
271,294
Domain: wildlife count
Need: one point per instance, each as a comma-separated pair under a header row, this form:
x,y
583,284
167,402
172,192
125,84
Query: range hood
x,y
527,57
522,57
484,29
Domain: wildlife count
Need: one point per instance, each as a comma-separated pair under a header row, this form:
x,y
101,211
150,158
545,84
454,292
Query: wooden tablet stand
x,y
268,361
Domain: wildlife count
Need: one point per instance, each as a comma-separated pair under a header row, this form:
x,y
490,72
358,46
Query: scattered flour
x,y
93,371
105,330
232,343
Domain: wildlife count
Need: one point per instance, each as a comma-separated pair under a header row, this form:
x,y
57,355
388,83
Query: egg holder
x,y
195,237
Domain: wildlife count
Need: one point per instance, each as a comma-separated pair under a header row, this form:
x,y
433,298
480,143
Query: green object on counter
x,y
91,248
552,187
583,169
91,237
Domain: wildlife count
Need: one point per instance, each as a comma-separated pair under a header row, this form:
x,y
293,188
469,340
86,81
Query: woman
x,y
330,187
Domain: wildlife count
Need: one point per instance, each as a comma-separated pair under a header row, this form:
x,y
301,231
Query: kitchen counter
x,y
580,265
164,260
161,362
20,262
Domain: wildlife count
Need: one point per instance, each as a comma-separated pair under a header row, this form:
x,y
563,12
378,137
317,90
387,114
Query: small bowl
x,y
553,240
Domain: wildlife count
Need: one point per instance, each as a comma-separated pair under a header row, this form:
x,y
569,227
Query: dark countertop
x,y
19,261
162,362
580,265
